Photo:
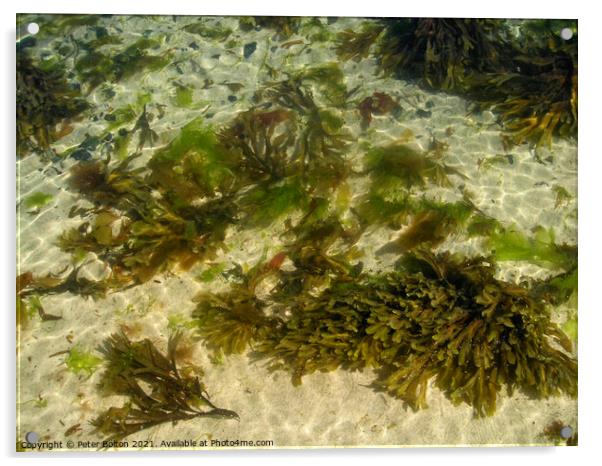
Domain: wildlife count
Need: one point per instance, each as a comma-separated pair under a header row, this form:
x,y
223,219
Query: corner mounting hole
x,y
566,432
32,437
566,34
33,28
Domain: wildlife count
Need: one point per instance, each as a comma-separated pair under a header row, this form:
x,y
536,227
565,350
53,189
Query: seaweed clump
x,y
395,171
139,233
529,80
157,389
533,87
378,103
438,318
95,67
283,26
442,51
44,99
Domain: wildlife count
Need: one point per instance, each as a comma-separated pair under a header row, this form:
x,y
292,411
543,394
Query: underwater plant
x,y
146,134
530,80
400,164
440,318
322,140
284,26
541,248
151,239
139,234
95,67
158,390
378,103
44,99
81,361
430,225
355,45
208,32
395,170
194,164
229,322
441,51
536,102
263,140
28,303
37,200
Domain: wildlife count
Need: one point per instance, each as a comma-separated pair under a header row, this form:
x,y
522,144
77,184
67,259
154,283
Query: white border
x,y
590,230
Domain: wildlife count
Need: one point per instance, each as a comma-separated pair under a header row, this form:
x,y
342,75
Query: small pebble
x,y
249,49
81,155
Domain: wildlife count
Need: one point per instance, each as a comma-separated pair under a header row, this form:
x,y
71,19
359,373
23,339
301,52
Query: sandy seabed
x,y
328,409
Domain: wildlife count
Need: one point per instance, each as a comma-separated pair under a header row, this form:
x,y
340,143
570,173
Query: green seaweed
x,y
541,248
211,273
430,225
265,204
95,67
398,165
179,322
153,233
263,141
37,200
184,96
330,80
194,164
80,361
120,117
208,32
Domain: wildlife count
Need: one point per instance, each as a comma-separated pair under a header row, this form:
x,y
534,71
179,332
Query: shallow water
x,y
519,189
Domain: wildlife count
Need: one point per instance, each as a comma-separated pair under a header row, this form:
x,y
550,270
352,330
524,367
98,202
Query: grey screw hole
x,y
566,432
33,28
32,437
566,34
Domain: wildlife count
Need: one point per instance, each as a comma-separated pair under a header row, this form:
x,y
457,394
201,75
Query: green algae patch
x,y
541,248
184,96
208,32
194,163
211,273
80,361
37,200
267,204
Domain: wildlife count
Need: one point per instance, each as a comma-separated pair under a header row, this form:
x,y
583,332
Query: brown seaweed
x,y
443,319
264,141
173,394
44,99
354,45
378,103
442,51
